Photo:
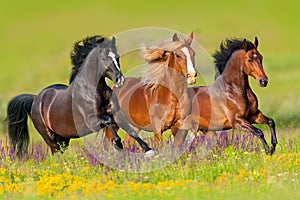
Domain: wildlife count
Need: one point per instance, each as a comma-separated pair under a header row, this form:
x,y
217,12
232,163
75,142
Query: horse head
x,y
109,60
176,54
252,66
185,56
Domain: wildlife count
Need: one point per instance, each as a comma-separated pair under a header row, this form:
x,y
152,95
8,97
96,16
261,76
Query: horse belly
x,y
62,122
201,109
208,112
138,112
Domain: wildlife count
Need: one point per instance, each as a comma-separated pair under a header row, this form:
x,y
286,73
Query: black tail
x,y
18,110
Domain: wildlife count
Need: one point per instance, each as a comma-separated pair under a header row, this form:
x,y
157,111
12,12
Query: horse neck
x,y
233,73
175,80
165,75
89,80
90,71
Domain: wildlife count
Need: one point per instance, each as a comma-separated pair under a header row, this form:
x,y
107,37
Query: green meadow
x,y
36,39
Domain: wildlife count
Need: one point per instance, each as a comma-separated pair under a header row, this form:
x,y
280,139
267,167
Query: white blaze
x,y
113,57
188,60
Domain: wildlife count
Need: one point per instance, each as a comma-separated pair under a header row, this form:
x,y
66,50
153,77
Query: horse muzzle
x,y
191,78
119,81
263,82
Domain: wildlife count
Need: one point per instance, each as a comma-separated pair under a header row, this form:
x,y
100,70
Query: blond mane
x,y
155,71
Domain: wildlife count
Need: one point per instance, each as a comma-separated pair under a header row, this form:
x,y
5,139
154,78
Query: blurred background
x,y
36,38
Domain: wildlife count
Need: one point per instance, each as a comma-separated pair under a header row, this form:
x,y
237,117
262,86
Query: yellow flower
x,y
2,171
54,164
85,170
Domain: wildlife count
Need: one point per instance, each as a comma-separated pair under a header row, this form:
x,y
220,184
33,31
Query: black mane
x,y
81,50
227,47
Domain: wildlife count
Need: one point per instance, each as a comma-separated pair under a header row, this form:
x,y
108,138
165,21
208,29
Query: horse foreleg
x,y
242,124
109,134
179,137
106,120
157,130
210,134
260,118
158,120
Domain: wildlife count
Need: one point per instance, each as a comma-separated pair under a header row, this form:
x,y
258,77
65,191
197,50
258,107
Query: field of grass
x,y
36,40
237,167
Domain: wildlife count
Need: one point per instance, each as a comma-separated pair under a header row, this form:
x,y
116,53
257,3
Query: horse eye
x,y
249,60
178,56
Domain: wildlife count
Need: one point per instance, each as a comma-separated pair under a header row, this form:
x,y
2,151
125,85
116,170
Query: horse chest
x,y
178,110
105,108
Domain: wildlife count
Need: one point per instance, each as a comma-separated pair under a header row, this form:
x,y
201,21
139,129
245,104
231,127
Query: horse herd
x,y
155,102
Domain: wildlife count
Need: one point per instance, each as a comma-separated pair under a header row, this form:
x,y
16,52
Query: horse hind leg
x,y
122,122
44,131
48,137
128,141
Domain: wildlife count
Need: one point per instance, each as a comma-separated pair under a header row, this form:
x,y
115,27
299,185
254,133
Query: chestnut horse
x,y
230,102
60,112
160,100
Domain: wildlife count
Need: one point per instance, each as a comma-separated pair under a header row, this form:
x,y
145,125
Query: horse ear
x,y
113,40
175,37
245,44
153,54
189,41
255,42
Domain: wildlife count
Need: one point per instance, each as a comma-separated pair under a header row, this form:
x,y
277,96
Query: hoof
x,y
150,154
270,151
118,144
192,137
117,140
117,148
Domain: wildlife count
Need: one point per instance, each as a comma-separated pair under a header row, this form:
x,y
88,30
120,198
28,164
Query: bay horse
x,y
230,103
159,100
61,112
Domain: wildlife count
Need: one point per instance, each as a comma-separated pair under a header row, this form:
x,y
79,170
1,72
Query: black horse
x,y
60,112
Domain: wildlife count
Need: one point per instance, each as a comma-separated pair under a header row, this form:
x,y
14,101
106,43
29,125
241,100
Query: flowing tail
x,y
18,110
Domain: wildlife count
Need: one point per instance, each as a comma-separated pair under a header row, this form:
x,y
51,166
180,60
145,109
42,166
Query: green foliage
x,y
36,39
233,173
2,117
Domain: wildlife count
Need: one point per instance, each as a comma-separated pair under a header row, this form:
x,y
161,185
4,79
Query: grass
x,y
229,170
36,40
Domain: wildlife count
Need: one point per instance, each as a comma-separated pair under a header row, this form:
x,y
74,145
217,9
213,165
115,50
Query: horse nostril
x,y
263,82
119,81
